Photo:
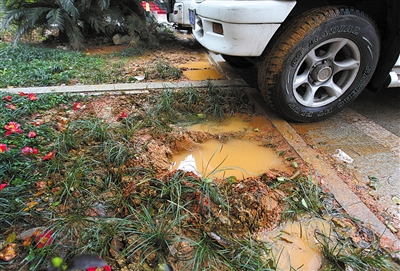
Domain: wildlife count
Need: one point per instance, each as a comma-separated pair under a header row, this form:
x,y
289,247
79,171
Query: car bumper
x,y
247,25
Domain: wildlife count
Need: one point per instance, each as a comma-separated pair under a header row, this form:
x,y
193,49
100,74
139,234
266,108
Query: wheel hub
x,y
321,73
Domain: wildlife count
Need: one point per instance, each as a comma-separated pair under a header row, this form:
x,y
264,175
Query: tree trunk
x,y
2,12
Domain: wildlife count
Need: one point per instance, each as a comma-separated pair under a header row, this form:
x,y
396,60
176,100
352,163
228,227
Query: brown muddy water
x,y
200,70
241,158
295,245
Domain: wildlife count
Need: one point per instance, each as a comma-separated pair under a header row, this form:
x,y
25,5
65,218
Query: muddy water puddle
x,y
200,70
237,157
295,246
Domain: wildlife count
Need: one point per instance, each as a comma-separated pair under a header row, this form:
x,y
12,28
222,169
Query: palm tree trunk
x,y
2,11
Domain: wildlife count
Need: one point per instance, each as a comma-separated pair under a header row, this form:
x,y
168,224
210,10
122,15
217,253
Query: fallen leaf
x,y
37,122
30,205
231,179
9,252
391,227
396,200
40,185
11,238
286,239
373,179
280,179
23,235
28,240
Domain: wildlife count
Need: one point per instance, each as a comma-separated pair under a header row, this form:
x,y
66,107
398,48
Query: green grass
x,y
161,69
304,196
27,65
341,254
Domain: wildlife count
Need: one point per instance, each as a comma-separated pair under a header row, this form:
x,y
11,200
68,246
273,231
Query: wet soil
x,y
182,52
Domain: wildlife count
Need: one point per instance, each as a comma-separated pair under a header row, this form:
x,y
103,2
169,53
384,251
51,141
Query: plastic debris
x,y
342,156
189,165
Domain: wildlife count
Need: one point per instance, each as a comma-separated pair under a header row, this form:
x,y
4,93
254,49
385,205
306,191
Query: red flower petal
x,y
77,106
32,97
37,122
11,106
28,151
32,134
8,98
49,156
3,148
2,186
122,116
44,239
12,127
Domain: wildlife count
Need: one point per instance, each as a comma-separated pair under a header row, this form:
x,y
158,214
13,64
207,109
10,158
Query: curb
x,y
232,81
128,88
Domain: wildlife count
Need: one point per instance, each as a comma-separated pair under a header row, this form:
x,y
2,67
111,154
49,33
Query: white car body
x,y
247,26
242,21
180,14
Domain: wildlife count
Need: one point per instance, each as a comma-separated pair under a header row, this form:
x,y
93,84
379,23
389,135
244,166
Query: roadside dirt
x,y
175,52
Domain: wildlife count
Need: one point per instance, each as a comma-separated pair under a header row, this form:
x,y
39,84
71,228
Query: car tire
x,y
170,7
318,63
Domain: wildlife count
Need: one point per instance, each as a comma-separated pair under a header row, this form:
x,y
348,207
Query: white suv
x,y
313,57
178,13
